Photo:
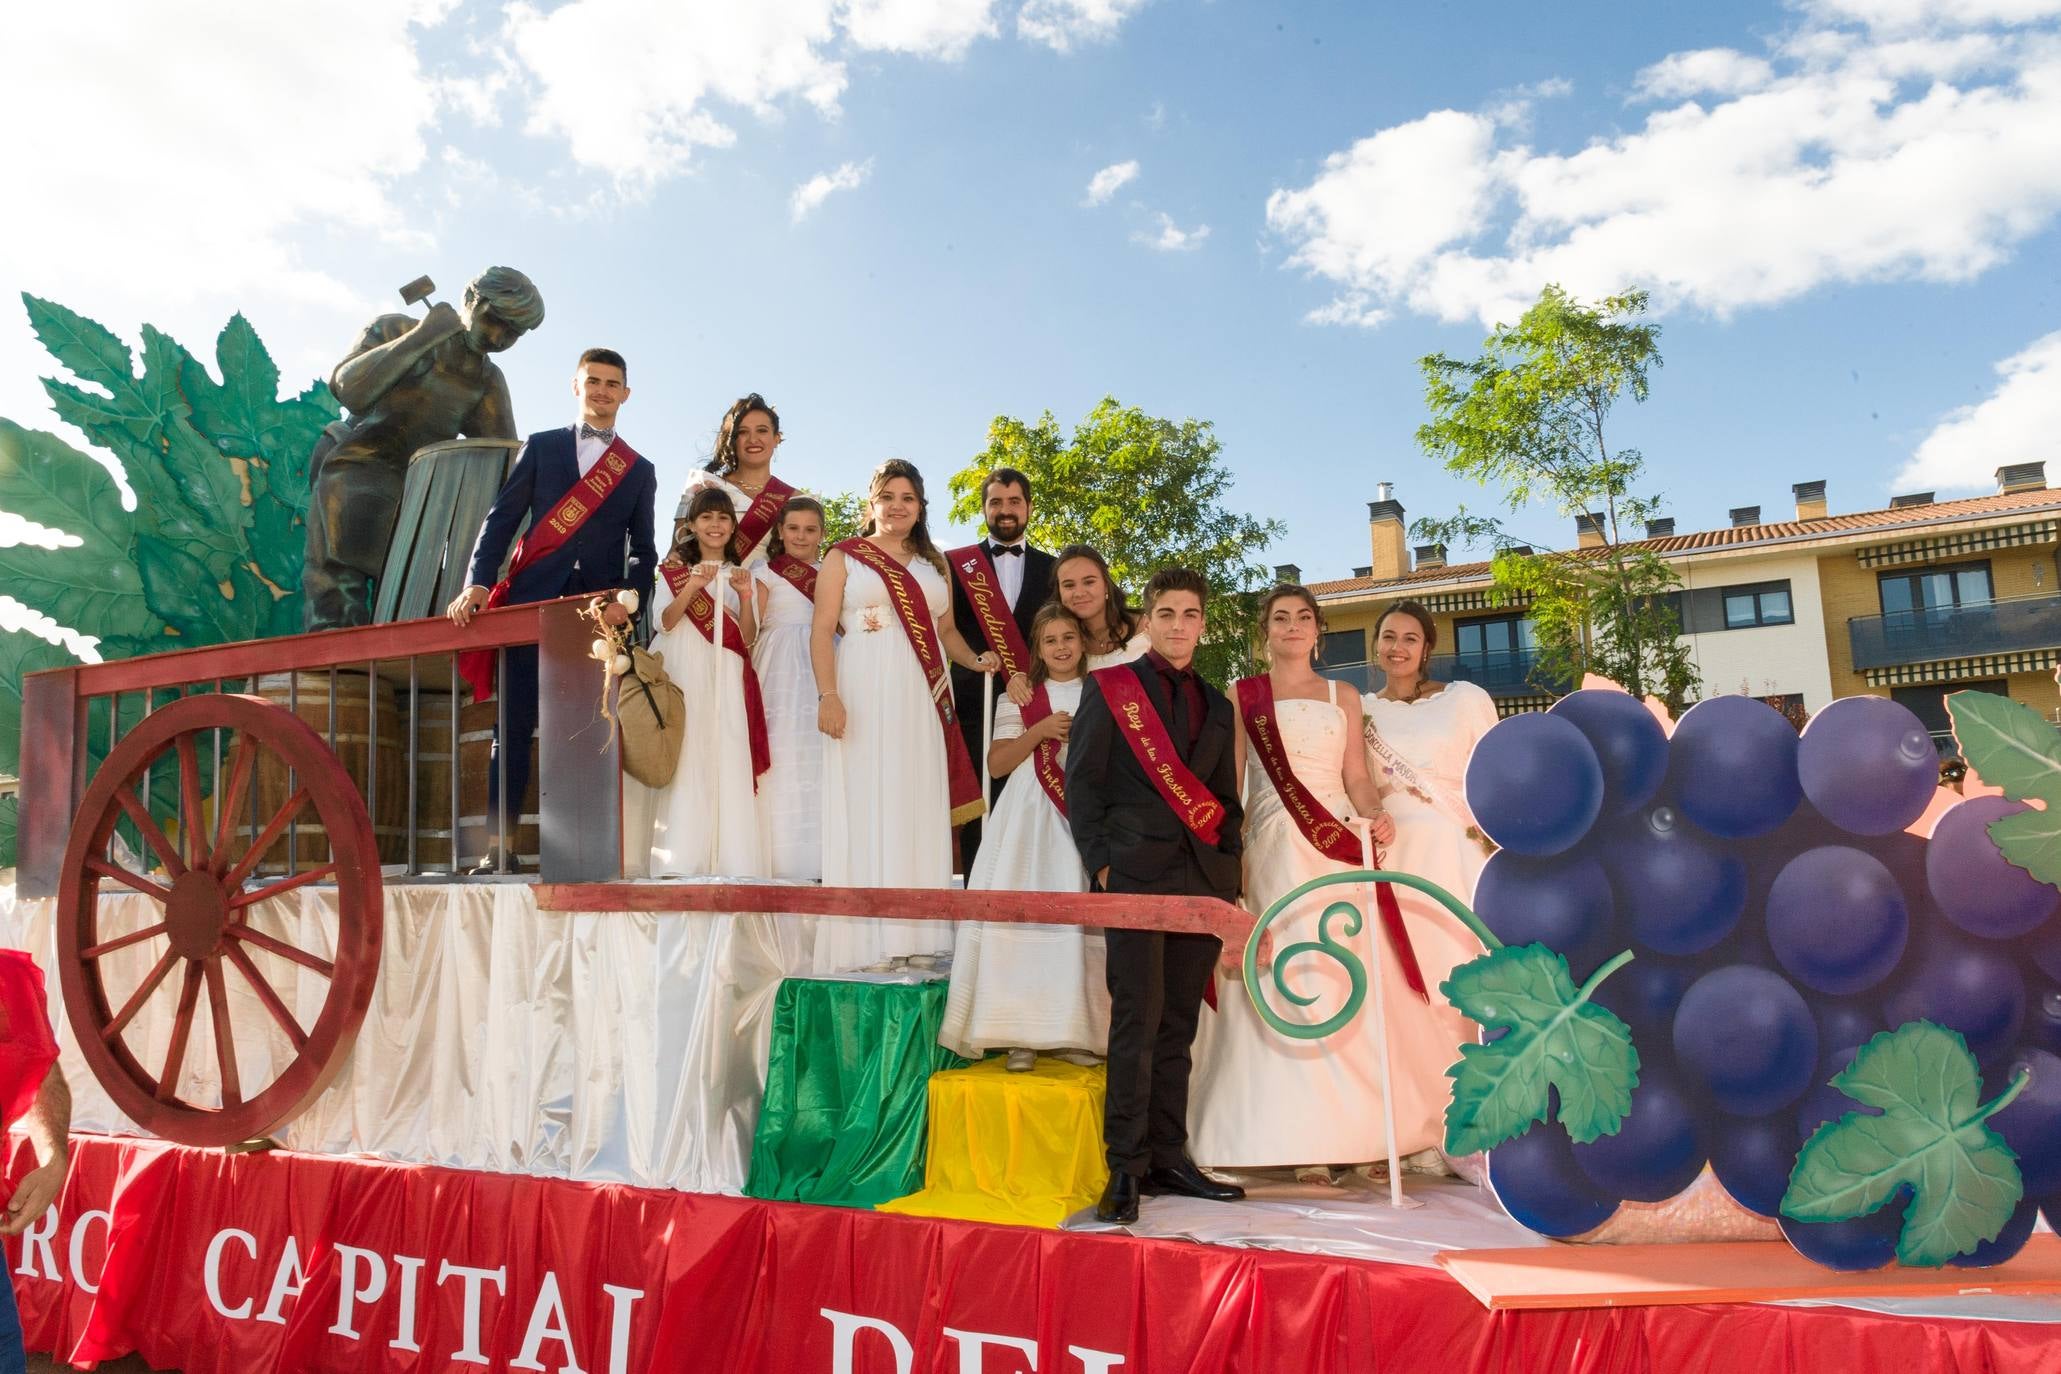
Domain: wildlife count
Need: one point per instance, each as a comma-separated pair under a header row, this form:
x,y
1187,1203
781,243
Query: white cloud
x,y
1168,237
1109,181
930,28
2015,424
1060,24
1857,156
819,188
1899,15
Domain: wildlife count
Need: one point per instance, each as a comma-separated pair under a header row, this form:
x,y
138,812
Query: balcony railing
x,y
1988,627
1509,674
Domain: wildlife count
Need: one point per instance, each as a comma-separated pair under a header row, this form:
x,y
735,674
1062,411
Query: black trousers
x,y
1156,980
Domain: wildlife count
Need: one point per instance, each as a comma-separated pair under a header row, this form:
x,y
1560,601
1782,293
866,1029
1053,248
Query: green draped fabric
x,y
846,1084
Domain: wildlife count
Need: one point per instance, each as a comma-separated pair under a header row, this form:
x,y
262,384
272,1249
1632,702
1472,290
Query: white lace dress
x,y
706,821
791,792
1027,986
887,811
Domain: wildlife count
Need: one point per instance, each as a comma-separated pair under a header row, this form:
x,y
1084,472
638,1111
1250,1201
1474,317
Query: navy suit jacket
x,y
613,548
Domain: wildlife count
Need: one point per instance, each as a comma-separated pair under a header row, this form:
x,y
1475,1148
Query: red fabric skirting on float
x,y
236,1264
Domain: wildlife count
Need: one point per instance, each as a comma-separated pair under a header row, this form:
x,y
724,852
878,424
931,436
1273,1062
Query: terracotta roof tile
x,y
1895,518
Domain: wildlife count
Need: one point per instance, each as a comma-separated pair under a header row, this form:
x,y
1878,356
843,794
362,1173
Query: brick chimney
x,y
1385,528
1287,572
1810,500
1430,556
2022,477
1663,528
1745,515
1588,530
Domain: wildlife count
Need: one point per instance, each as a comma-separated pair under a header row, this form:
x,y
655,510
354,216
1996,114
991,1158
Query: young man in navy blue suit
x,y
611,549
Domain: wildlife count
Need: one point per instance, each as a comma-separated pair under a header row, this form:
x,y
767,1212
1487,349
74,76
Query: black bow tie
x,y
587,431
1016,549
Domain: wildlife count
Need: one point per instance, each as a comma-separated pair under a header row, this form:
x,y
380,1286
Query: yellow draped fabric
x,y
1023,1148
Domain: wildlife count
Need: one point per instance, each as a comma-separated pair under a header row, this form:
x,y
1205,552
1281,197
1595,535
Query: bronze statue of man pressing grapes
x,y
406,383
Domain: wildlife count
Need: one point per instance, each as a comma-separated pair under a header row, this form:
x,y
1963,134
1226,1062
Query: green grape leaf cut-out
x,y
2010,746
1932,1142
1554,1040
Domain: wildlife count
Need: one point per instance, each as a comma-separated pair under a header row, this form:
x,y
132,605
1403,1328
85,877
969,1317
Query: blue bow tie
x,y
587,431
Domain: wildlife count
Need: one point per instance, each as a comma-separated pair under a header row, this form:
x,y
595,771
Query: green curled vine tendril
x,y
1355,970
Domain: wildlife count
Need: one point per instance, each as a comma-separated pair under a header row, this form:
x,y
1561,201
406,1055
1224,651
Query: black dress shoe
x,y
1185,1180
1119,1199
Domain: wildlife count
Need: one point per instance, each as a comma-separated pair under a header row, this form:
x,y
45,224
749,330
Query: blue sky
x,y
1844,209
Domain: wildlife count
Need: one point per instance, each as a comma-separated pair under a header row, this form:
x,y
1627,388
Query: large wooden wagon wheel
x,y
204,903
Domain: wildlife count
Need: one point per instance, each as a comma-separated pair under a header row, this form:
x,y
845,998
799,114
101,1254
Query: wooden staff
x,y
987,741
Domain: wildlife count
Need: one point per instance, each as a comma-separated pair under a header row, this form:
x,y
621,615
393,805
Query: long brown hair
x,y
699,504
774,548
1291,591
1051,613
1116,616
919,533
725,460
1414,610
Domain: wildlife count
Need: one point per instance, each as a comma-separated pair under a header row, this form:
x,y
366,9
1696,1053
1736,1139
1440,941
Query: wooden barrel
x,y
371,744
475,764
444,498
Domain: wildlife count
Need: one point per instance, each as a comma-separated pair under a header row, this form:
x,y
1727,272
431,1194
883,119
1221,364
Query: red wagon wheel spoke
x,y
266,995
229,801
274,828
127,879
153,833
225,1038
283,771
120,1022
134,937
280,888
282,949
182,1028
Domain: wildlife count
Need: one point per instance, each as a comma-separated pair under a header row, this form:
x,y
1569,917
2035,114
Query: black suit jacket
x,y
1037,589
613,548
1118,817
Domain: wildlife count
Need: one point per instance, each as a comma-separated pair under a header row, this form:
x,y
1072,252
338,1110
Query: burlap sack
x,y
652,715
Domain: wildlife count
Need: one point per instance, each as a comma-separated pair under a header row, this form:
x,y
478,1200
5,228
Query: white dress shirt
x,y
588,450
1008,569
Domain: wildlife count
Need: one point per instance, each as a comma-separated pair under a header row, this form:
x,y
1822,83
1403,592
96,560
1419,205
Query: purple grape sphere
x,y
1535,1178
1534,784
1837,920
2042,1014
2009,1241
2031,1125
1746,1037
2046,948
1975,989
1752,1157
1732,767
1868,765
1655,1153
1628,740
1682,891
1865,1242
1563,903
1977,889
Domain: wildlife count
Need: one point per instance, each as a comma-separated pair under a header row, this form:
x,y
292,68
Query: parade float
x,y
1771,1021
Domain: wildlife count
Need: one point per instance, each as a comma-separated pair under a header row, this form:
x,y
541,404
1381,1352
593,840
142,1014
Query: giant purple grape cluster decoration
x,y
1782,918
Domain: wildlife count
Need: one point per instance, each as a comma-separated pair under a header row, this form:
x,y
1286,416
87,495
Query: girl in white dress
x,y
791,792
1262,1099
707,818
1026,988
887,802
1420,734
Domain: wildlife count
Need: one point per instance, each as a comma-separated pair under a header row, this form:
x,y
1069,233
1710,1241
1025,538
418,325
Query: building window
x,y
1932,592
1790,704
1758,603
1929,705
1494,652
1343,646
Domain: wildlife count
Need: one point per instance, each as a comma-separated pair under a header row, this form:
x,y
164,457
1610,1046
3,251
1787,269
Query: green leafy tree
x,y
1530,418
843,514
212,552
1147,493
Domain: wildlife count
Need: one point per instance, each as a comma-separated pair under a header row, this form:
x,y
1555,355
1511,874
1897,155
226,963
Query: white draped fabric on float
x,y
614,1046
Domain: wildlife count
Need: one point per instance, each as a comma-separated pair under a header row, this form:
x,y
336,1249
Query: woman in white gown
x,y
791,792
1025,988
1263,1099
707,818
742,469
1420,734
887,761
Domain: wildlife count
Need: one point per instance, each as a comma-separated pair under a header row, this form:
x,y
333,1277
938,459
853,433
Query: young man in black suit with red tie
x,y
1152,799
588,498
1011,579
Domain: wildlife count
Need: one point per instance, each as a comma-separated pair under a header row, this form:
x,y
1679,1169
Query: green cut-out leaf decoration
x,y
2010,746
89,350
1932,1140
1554,1041
91,583
179,590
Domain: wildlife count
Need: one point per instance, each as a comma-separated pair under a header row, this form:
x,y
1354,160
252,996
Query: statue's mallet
x,y
417,291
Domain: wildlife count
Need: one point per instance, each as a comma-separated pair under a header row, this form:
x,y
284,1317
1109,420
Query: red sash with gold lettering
x,y
799,575
759,516
701,613
545,538
913,610
1138,722
1044,759
976,574
1326,833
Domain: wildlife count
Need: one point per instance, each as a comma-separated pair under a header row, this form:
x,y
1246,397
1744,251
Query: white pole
x,y
718,587
987,739
1395,1163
